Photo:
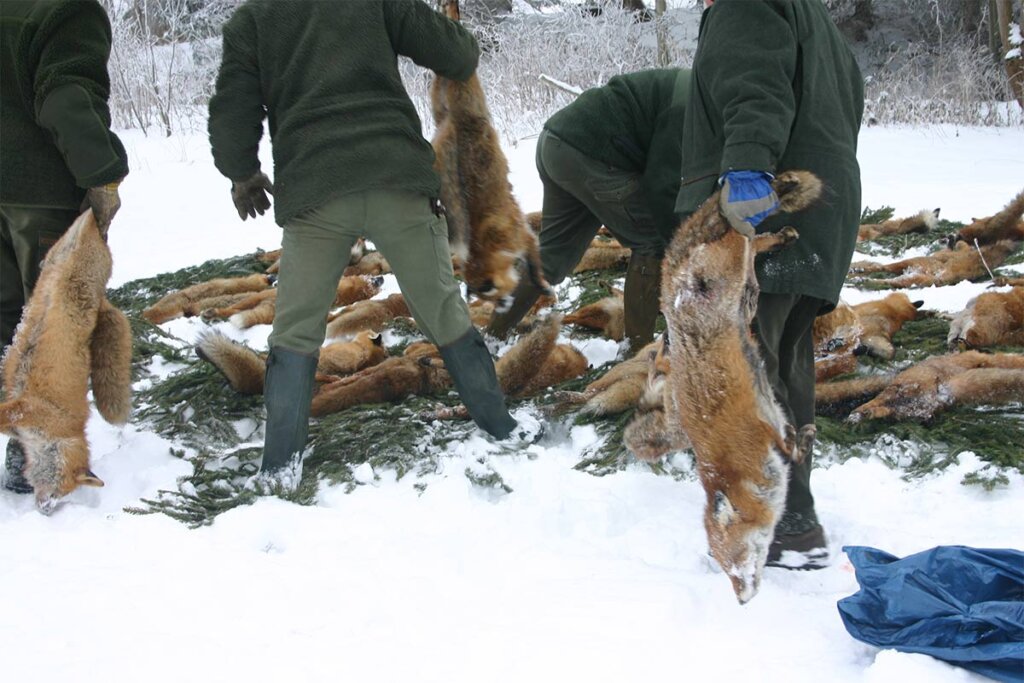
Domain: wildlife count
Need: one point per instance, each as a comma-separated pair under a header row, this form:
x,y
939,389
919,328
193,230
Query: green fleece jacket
x,y
775,87
633,123
325,74
55,138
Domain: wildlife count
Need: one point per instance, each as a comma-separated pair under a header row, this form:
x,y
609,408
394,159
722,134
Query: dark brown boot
x,y
641,299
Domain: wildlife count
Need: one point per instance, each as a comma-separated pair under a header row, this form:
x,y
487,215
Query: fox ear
x,y
376,338
918,304
87,478
725,513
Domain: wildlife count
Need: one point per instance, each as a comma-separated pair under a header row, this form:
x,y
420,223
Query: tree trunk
x,y
659,10
1014,65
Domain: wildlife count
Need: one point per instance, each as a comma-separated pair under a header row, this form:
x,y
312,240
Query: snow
x,y
568,576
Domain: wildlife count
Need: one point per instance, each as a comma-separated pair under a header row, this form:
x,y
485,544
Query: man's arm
x,y
237,109
431,40
747,65
71,86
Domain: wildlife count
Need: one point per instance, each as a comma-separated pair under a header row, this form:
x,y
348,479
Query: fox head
x,y
55,468
372,343
740,523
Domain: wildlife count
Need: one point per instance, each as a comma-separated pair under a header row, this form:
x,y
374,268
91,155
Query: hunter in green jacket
x,y
775,87
611,157
350,160
57,153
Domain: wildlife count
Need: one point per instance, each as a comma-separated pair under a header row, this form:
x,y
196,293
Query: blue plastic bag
x,y
962,605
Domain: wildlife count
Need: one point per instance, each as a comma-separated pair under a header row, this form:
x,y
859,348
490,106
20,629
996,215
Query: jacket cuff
x,y
747,156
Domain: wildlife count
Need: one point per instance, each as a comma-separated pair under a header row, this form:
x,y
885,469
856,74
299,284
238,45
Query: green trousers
x,y
783,327
403,227
581,194
26,234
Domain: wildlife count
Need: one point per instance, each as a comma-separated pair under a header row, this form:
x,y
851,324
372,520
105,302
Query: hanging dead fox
x,y
718,393
69,334
490,238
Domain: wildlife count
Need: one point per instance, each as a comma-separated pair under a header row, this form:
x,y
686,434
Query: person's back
x,y
338,114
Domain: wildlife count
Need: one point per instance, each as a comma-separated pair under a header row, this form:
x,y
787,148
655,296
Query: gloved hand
x,y
250,196
747,198
104,202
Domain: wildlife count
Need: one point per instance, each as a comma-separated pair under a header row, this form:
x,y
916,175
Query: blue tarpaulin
x,y
962,605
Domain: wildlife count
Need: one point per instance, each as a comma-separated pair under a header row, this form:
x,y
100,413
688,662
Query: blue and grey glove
x,y
747,198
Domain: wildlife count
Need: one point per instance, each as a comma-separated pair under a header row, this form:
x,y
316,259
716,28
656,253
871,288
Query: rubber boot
x,y
641,299
523,299
287,393
472,370
14,469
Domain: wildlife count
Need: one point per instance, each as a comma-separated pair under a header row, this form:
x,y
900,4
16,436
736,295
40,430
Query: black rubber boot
x,y
287,393
469,363
14,469
523,299
641,299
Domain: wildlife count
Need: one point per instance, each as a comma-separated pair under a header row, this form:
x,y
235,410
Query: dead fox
x,y
1003,281
945,267
940,382
651,434
418,372
372,314
880,320
604,254
837,399
371,263
245,369
921,222
69,333
1004,225
607,315
718,393
489,235
537,361
614,392
176,304
259,308
990,319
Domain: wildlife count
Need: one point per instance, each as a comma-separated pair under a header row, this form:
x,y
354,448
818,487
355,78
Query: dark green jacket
x,y
775,87
55,138
634,123
325,74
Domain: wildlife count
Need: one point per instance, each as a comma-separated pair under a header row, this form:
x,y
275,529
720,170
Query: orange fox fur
x,y
880,320
603,254
1005,225
245,369
259,308
990,319
617,390
418,372
371,263
940,382
836,399
1003,281
177,304
489,235
650,435
945,267
607,315
919,222
537,361
69,333
718,394
371,314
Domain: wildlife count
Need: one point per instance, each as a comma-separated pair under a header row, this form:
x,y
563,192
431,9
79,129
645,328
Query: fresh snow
x,y
569,577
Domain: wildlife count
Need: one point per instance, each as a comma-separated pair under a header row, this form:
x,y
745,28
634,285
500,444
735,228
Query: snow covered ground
x,y
569,577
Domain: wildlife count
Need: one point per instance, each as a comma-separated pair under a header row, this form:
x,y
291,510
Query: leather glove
x,y
250,196
104,201
747,198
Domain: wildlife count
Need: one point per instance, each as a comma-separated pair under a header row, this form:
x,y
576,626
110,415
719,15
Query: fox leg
x,y
773,241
